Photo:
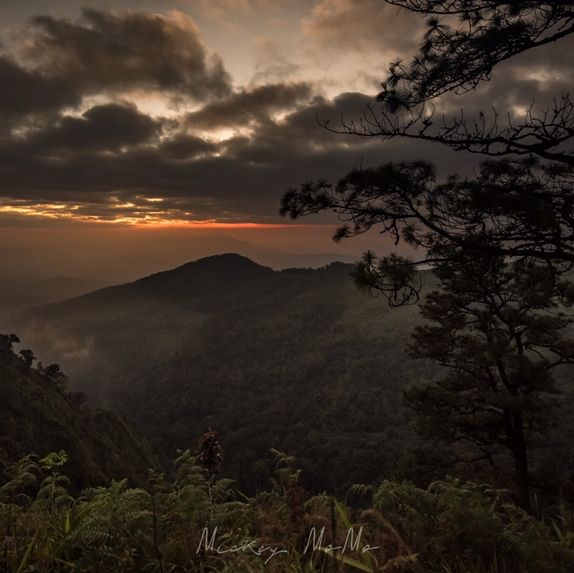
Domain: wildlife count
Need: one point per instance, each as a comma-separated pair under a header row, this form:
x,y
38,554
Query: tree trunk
x,y
520,463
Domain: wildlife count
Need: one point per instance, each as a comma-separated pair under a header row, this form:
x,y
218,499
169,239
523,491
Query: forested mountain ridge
x,y
40,415
297,359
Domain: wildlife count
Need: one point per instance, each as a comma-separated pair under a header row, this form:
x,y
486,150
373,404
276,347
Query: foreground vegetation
x,y
55,514
193,522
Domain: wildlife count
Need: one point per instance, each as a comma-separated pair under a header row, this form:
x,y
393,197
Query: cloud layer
x,y
126,50
128,116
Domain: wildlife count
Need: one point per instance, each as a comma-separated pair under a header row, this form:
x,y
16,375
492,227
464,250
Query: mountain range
x,y
297,360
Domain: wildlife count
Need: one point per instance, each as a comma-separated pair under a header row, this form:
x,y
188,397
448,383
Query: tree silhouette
x,y
491,330
520,207
497,241
7,342
27,357
512,207
463,42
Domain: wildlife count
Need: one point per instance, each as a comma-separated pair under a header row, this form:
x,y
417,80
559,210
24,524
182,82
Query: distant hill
x,y
297,359
17,295
39,415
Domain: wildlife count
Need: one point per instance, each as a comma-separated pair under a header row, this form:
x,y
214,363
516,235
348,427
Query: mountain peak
x,y
215,272
228,264
225,260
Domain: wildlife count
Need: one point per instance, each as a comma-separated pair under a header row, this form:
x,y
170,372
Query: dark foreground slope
x,y
298,360
39,415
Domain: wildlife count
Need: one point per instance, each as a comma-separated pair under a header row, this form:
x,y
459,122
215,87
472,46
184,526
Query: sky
x,y
139,134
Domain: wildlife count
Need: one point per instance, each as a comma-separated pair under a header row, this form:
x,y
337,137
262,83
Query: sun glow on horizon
x,y
144,219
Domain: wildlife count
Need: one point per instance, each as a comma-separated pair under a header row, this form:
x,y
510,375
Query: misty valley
x,y
290,382
268,359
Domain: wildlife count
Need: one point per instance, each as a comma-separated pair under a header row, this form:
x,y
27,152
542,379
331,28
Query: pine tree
x,y
516,206
498,331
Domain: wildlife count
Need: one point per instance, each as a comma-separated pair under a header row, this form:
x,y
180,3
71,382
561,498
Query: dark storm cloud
x,y
302,134
25,91
239,176
555,57
307,145
184,147
529,83
236,180
102,127
114,52
254,104
309,121
113,160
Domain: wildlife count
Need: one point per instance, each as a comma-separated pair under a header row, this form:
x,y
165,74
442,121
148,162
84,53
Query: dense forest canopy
x,y
298,360
41,414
